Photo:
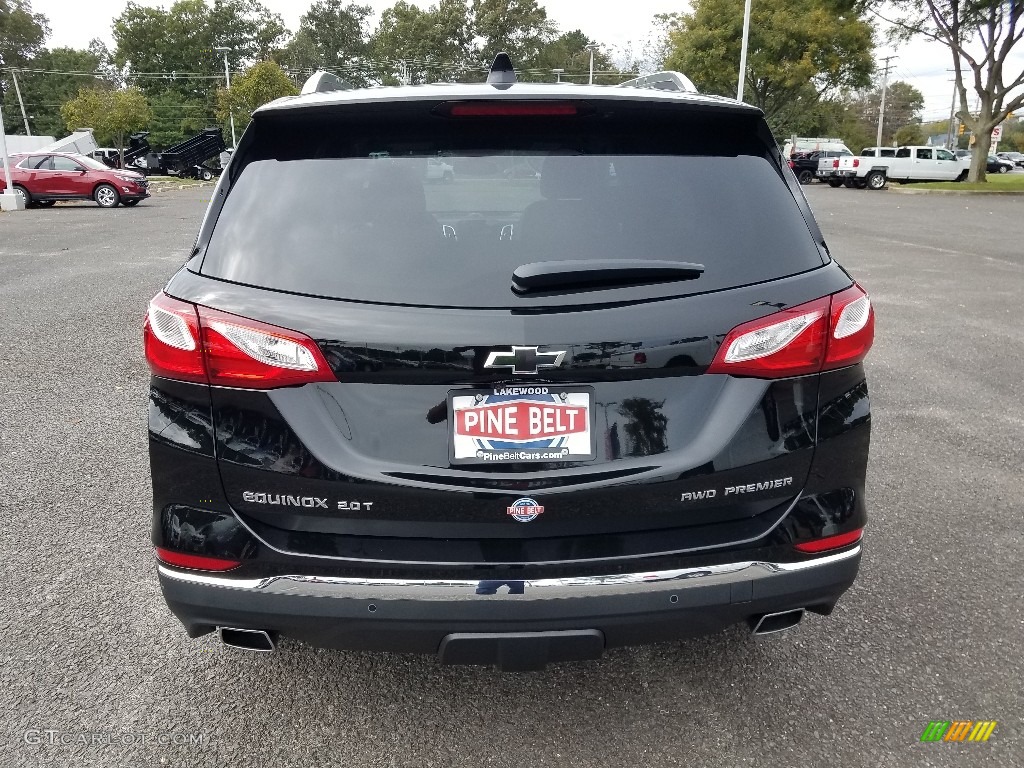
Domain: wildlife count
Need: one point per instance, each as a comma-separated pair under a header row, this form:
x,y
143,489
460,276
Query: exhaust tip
x,y
247,639
767,623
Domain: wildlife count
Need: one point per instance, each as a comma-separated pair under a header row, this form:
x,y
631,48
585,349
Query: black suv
x,y
520,417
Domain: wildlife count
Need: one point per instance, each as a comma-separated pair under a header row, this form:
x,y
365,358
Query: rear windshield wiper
x,y
599,273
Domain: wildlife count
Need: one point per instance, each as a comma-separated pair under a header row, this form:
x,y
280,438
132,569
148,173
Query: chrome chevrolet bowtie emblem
x,y
524,360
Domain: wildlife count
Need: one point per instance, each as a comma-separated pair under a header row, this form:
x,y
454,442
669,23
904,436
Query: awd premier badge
x,y
525,509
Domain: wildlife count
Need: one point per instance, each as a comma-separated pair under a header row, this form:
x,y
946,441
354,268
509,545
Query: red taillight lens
x,y
639,358
511,109
247,353
852,328
835,163
856,162
171,338
792,164
827,333
191,343
830,542
786,343
195,562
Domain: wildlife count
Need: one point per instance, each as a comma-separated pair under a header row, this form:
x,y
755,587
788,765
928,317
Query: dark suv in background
x,y
519,417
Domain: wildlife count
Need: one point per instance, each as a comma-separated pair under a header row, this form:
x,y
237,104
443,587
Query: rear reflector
x,y
510,109
821,335
830,542
192,343
195,562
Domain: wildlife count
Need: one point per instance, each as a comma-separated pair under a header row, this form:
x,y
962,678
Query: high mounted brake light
x,y
194,343
509,109
824,334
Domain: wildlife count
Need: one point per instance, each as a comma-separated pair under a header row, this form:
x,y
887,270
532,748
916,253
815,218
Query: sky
x,y
616,25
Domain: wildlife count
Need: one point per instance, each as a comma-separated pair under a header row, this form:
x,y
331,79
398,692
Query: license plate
x,y
521,423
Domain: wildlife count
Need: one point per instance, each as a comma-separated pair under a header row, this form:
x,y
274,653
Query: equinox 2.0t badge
x,y
526,509
524,360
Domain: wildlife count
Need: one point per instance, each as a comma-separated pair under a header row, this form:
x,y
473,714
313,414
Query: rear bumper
x,y
418,616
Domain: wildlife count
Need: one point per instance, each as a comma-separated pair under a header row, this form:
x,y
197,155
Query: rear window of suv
x,y
412,208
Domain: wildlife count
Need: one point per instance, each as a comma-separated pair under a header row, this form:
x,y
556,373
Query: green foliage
x,y
569,52
176,119
331,35
182,40
910,134
111,114
521,28
43,93
800,51
422,46
22,32
258,85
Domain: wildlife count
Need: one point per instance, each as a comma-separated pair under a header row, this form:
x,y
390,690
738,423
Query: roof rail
x,y
662,81
324,82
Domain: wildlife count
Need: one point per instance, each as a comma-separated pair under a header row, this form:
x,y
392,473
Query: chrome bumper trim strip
x,y
537,589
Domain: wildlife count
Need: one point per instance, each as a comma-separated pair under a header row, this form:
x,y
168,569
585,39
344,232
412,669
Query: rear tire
x,y
1003,169
206,174
46,203
875,180
19,190
835,183
962,176
106,196
850,183
805,177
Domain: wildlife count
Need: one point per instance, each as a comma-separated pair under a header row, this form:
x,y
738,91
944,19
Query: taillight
x,y
639,358
830,332
856,162
835,163
509,109
196,343
792,164
171,337
830,542
195,562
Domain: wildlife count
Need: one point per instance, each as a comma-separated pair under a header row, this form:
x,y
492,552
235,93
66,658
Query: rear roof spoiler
x,y
662,81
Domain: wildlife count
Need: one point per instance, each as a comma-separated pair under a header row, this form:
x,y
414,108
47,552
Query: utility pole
x,y
17,90
743,51
951,134
592,47
227,76
881,108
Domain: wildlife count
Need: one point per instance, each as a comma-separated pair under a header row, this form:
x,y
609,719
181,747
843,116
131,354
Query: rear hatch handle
x,y
599,273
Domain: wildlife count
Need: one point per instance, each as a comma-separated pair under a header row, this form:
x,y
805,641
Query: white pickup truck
x,y
874,166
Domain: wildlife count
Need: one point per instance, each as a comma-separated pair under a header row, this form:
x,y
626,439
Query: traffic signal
x,y
960,130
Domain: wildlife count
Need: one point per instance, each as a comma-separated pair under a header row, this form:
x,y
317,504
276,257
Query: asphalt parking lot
x,y
96,672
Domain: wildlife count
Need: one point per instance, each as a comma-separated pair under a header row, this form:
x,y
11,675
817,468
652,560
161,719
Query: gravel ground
x,y
95,671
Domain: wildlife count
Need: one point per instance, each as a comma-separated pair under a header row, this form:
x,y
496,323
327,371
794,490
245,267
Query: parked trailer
x,y
188,158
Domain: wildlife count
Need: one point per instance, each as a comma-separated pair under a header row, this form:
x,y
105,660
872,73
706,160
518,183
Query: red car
x,y
43,178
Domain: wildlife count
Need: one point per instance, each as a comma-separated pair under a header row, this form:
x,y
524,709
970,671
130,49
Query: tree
x,y
161,50
519,27
981,36
421,46
331,36
43,93
903,105
22,33
910,134
258,85
176,118
569,51
111,114
800,52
